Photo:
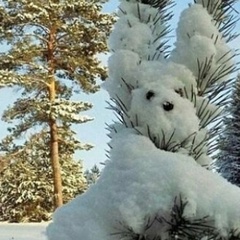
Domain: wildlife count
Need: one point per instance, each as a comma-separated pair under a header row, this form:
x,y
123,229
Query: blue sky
x,y
93,132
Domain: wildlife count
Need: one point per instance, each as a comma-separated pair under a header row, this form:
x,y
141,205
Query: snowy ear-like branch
x,y
224,14
162,18
215,87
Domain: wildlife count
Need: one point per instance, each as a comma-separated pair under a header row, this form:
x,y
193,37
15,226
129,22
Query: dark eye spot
x,y
179,91
167,106
150,94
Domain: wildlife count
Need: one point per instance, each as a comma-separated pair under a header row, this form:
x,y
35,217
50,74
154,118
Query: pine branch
x,y
177,225
167,143
160,4
181,227
228,161
126,232
224,14
164,16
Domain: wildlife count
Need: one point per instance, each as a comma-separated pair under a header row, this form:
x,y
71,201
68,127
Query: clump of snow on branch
x,y
159,147
197,43
138,29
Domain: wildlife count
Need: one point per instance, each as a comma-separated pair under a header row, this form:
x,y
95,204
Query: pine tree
x,y
26,193
92,175
51,53
228,164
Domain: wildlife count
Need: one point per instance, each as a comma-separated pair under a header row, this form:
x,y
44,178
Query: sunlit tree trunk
x,y
54,155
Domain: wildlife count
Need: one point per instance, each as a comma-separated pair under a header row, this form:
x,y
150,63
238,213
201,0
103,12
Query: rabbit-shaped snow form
x,y
153,152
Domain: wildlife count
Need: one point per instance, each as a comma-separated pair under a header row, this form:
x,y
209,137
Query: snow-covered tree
x,y
156,184
51,52
228,162
26,192
92,175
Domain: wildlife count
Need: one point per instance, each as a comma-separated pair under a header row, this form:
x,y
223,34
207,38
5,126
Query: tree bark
x,y
54,154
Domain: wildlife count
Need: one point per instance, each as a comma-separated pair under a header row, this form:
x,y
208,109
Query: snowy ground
x,y
23,231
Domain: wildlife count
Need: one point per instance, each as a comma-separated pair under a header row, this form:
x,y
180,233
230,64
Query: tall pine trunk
x,y
57,179
54,154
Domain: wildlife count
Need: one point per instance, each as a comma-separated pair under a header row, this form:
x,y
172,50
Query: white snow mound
x,y
142,181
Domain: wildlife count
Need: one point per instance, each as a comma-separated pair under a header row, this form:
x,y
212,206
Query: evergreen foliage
x,y
51,54
92,175
26,193
177,227
228,162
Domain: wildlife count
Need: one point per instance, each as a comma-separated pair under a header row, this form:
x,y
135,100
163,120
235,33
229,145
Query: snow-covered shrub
x,y
26,192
